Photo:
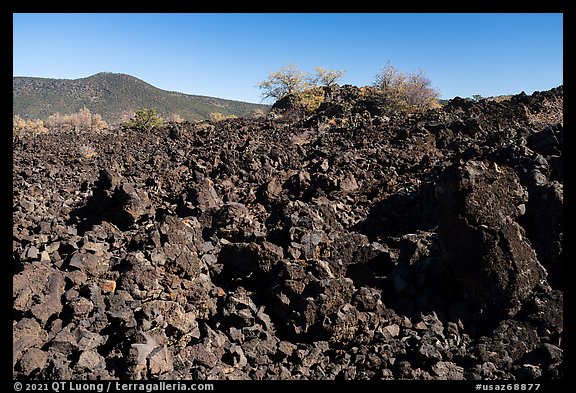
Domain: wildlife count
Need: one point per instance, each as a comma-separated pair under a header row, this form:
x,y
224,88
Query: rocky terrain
x,y
346,243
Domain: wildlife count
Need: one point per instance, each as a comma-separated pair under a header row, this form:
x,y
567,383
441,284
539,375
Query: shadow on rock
x,y
114,200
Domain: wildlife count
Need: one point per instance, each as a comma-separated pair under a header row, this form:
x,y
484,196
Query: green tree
x,y
144,119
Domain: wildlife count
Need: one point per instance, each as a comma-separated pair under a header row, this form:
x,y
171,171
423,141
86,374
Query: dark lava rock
x,y
27,334
342,242
544,223
481,241
37,290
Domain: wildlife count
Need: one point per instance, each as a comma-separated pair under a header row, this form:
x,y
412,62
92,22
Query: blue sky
x,y
226,55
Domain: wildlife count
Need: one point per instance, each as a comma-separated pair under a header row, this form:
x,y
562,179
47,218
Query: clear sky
x,y
226,55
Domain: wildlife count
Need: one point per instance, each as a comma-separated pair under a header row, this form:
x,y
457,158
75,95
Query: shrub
x,y
289,80
144,119
406,93
217,116
22,126
311,99
87,151
98,123
258,113
326,77
174,118
82,121
55,122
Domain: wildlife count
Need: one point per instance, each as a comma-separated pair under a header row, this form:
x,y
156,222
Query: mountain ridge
x,y
114,96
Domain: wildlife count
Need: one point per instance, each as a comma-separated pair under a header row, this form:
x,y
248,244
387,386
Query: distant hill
x,y
113,95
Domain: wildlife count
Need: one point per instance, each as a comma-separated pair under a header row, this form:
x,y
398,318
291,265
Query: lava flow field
x,y
343,244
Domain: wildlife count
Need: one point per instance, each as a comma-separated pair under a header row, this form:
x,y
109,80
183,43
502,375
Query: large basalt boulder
x,y
481,242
